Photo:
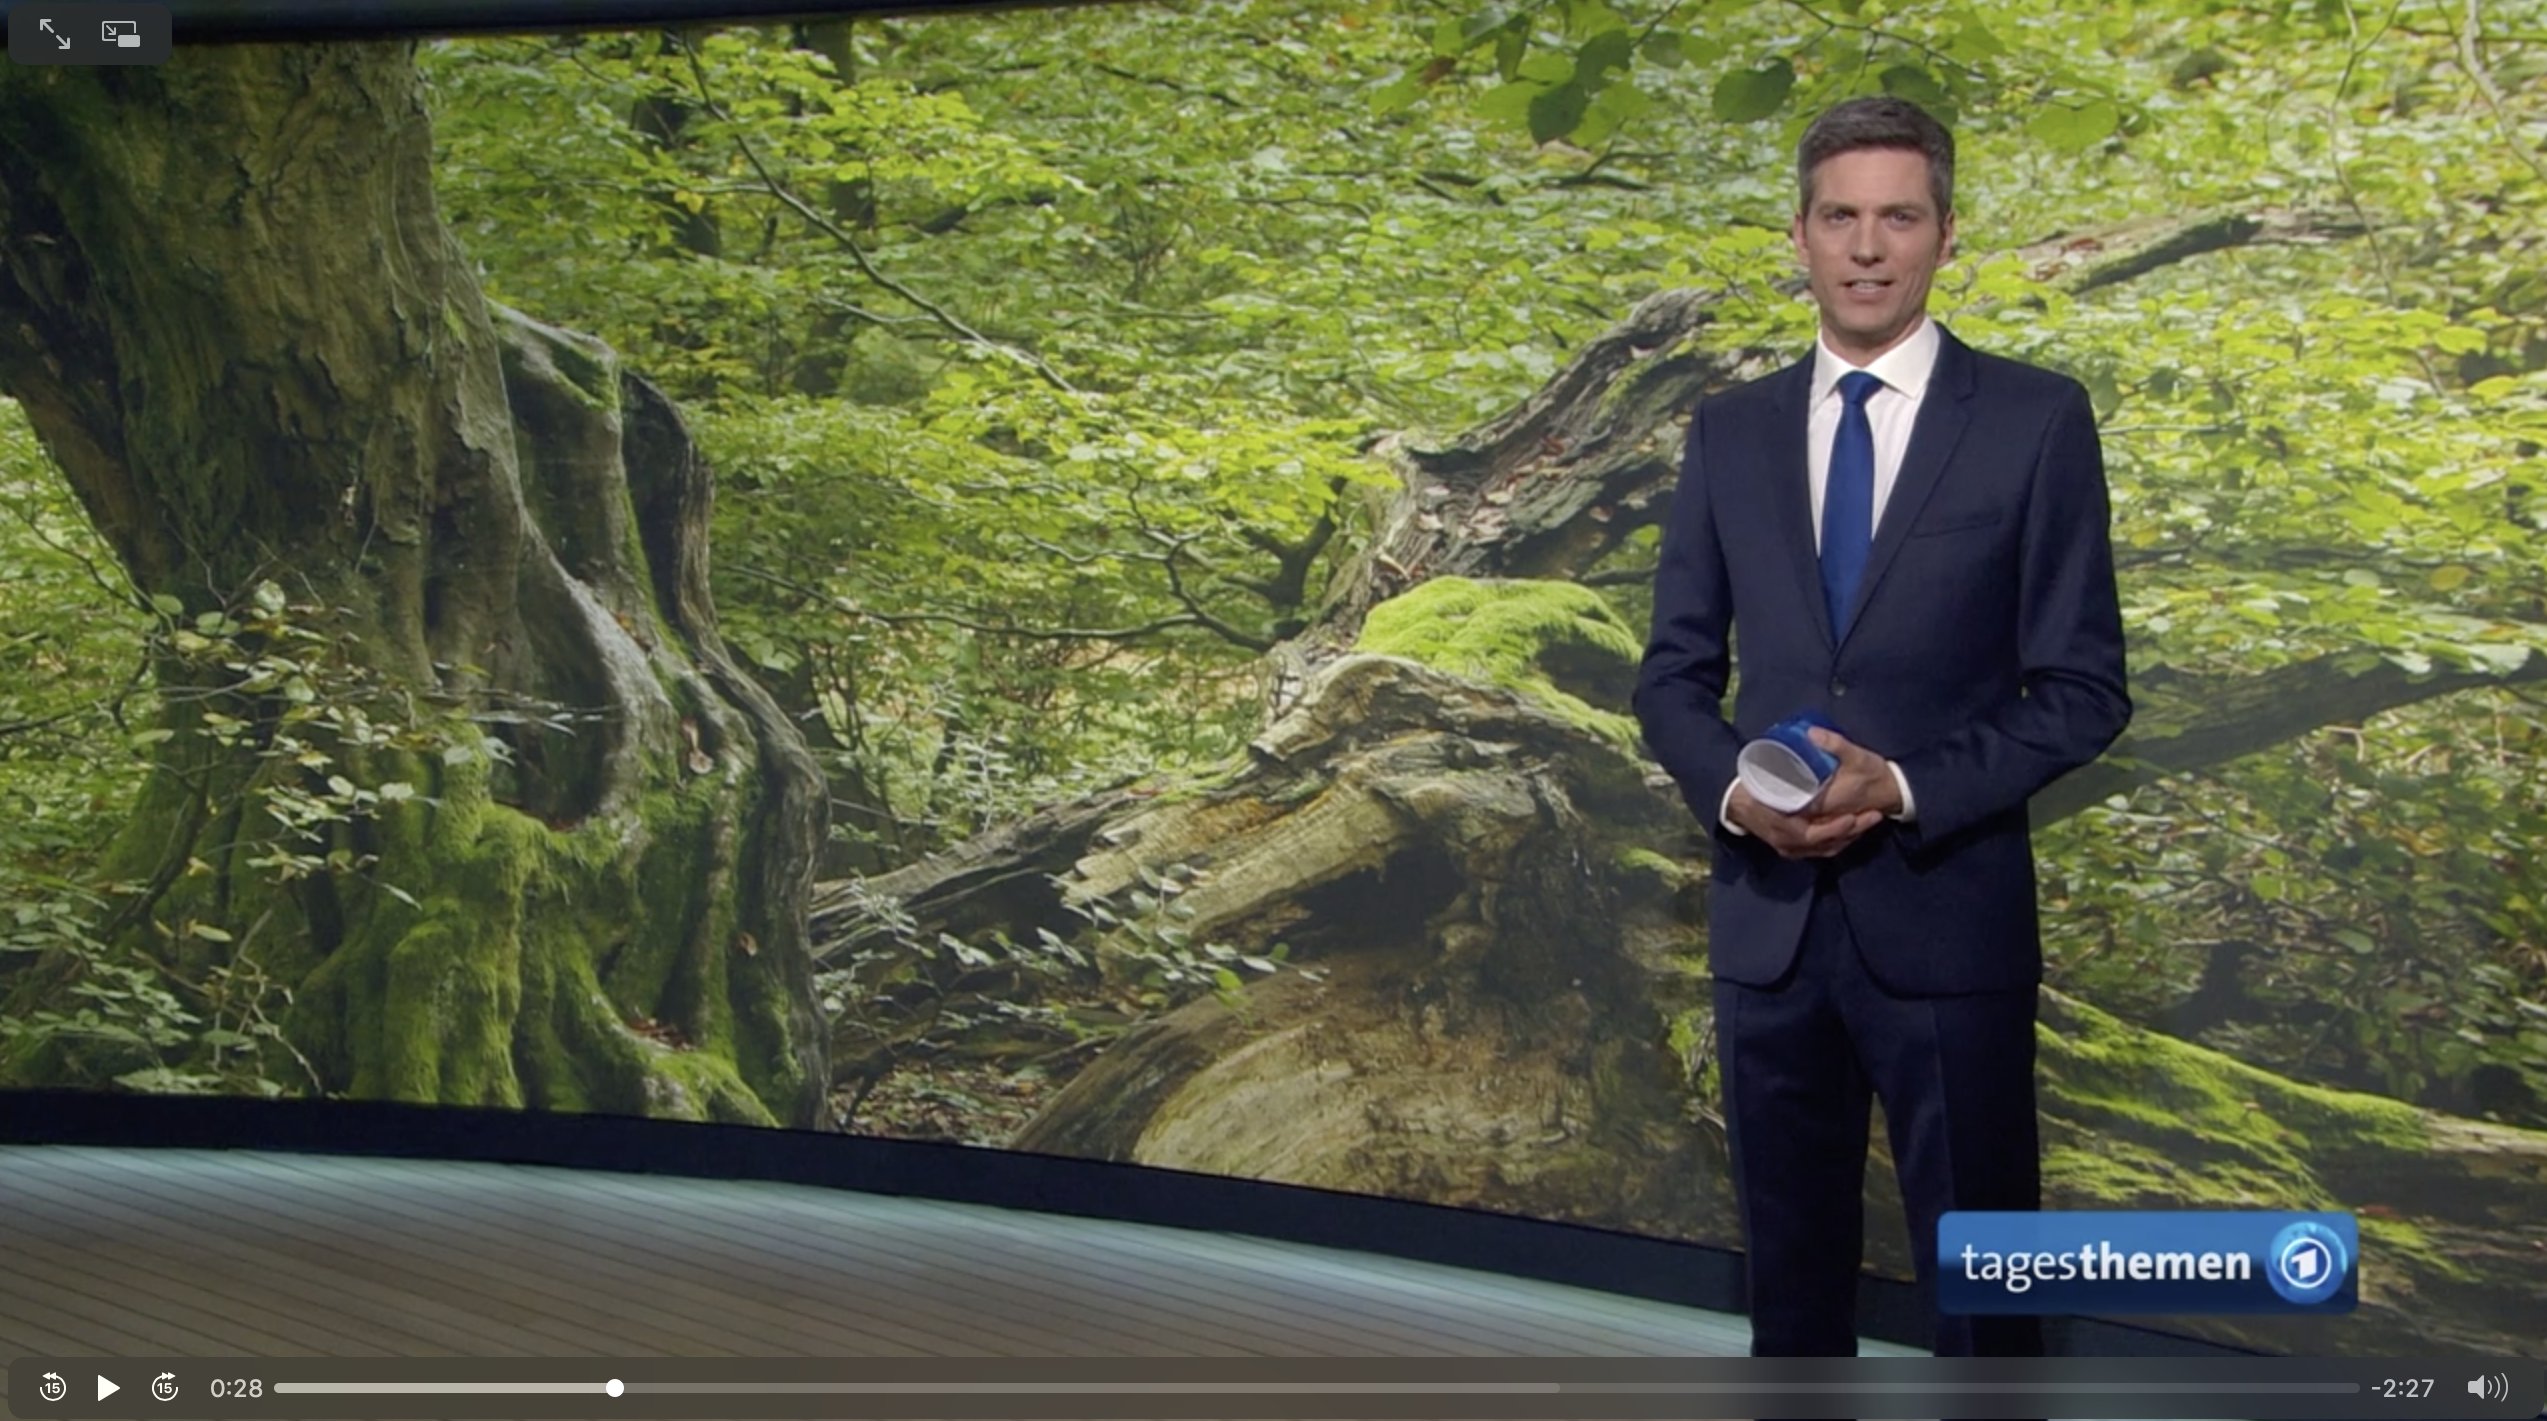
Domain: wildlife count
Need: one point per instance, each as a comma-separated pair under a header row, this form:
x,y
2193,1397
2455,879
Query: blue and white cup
x,y
1783,768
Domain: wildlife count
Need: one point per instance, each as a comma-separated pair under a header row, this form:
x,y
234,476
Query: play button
x,y
106,1388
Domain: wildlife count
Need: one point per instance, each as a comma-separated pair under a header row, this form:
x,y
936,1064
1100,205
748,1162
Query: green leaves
x,y
1457,35
1602,55
1551,94
644,223
1910,81
1749,95
1399,96
1975,41
1549,68
2073,128
1554,112
1510,103
1512,44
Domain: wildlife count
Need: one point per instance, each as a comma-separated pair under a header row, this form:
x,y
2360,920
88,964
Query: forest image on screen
x,y
1069,580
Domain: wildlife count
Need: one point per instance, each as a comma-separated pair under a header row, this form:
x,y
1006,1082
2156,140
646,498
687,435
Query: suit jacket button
x,y
1839,688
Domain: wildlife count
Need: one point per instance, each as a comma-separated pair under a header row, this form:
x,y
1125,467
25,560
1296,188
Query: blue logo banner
x,y
2148,1261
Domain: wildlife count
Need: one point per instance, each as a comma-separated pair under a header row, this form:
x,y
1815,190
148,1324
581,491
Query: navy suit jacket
x,y
1985,656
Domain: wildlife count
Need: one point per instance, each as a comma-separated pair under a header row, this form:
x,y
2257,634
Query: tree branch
x,y
1170,85
1176,588
21,727
822,223
1934,56
2195,722
2474,63
848,608
1289,587
2087,261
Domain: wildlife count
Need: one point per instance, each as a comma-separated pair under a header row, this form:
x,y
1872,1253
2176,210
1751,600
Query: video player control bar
x,y
1315,1389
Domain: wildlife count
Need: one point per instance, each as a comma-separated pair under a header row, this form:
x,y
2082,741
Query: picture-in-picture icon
x,y
123,34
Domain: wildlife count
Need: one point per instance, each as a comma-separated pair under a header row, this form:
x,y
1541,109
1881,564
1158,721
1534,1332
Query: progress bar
x,y
616,1388
1271,1388
452,1389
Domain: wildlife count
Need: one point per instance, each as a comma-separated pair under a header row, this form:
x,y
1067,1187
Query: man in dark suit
x,y
1911,538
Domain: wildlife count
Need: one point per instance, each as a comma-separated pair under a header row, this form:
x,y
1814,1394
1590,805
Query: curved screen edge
x,y
1688,1275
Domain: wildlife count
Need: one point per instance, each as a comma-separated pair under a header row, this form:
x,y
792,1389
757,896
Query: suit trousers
x,y
1800,1060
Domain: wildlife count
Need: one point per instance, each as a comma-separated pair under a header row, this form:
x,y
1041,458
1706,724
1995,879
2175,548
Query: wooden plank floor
x,y
204,1253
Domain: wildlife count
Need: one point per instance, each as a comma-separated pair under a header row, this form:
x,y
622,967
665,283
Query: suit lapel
x,y
1792,476
1943,413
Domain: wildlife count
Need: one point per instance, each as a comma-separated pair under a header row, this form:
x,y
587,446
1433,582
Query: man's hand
x,y
1809,834
1856,798
1863,781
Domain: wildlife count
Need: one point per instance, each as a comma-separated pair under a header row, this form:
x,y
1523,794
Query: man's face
x,y
1871,241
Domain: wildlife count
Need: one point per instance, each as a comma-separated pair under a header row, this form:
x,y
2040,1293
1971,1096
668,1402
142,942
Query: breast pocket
x,y
1949,521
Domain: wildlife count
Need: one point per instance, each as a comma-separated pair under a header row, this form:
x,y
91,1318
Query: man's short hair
x,y
1877,123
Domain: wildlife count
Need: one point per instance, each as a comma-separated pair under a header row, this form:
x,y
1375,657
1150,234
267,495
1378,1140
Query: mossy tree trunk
x,y
558,843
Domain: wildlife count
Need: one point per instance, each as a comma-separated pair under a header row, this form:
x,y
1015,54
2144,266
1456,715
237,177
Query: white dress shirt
x,y
1890,413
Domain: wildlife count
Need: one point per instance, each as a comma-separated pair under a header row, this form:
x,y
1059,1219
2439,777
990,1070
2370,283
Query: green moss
x,y
452,981
1686,1034
761,1038
2398,1238
698,993
527,969
1556,642
565,1063
2156,1082
1202,783
667,902
588,366
2114,1171
700,1085
2175,1125
1637,859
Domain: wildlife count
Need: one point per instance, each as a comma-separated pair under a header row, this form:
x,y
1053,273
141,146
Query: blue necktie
x,y
1848,500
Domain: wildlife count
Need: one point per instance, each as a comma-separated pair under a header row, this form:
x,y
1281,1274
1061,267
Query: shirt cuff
x,y
1909,807
1724,815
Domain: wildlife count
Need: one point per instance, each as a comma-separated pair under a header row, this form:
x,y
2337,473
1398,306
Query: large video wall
x,y
1067,581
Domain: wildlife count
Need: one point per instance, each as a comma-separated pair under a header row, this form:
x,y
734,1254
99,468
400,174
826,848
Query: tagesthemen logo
x,y
2309,1262
2176,1261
